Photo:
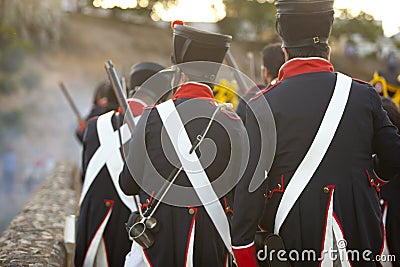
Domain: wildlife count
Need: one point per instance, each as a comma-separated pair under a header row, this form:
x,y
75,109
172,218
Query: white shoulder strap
x,y
194,170
108,154
317,150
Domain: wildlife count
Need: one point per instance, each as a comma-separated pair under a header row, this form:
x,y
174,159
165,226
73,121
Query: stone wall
x,y
35,237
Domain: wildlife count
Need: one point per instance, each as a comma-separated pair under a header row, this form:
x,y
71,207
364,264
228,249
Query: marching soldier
x,y
390,198
104,208
193,230
101,239
321,193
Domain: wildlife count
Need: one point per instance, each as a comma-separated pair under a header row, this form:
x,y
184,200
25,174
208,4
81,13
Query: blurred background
x,y
44,42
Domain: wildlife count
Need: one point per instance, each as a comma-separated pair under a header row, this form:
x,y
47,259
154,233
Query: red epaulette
x,y
93,118
263,91
231,115
360,81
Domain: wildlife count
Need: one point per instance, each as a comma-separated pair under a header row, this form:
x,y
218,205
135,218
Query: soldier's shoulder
x,y
230,114
360,81
92,121
265,90
363,85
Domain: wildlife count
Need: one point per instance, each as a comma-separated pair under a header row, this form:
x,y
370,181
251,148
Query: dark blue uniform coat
x,y
298,102
177,223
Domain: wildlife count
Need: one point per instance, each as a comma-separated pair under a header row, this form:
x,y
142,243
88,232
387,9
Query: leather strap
x,y
108,154
194,170
318,148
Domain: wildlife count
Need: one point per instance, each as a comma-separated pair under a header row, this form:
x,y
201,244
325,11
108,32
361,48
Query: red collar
x,y
298,66
194,90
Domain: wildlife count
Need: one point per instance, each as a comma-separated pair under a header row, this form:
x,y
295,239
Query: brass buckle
x,y
316,40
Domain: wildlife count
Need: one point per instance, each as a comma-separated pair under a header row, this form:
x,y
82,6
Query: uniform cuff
x,y
245,256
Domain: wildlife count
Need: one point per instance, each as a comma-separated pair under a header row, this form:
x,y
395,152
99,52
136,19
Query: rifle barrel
x,y
119,92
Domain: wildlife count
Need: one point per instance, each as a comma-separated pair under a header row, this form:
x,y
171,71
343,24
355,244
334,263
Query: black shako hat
x,y
303,23
191,44
141,73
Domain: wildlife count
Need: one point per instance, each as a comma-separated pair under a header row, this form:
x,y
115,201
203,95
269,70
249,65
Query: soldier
x,y
191,232
104,208
273,58
390,197
141,96
320,194
101,239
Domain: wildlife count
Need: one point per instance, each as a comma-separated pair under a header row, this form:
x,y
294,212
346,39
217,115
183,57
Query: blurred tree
x,y
13,53
12,123
36,21
363,23
12,58
244,16
143,7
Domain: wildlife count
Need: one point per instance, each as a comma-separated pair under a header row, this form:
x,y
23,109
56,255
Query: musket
x,y
117,87
119,92
232,63
123,103
70,101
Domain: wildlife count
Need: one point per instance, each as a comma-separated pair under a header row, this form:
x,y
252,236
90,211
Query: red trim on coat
x,y
190,232
231,115
93,118
262,228
380,181
341,230
194,90
276,190
297,66
253,90
263,91
332,188
147,257
385,206
338,222
227,209
226,259
145,205
104,218
373,184
360,81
